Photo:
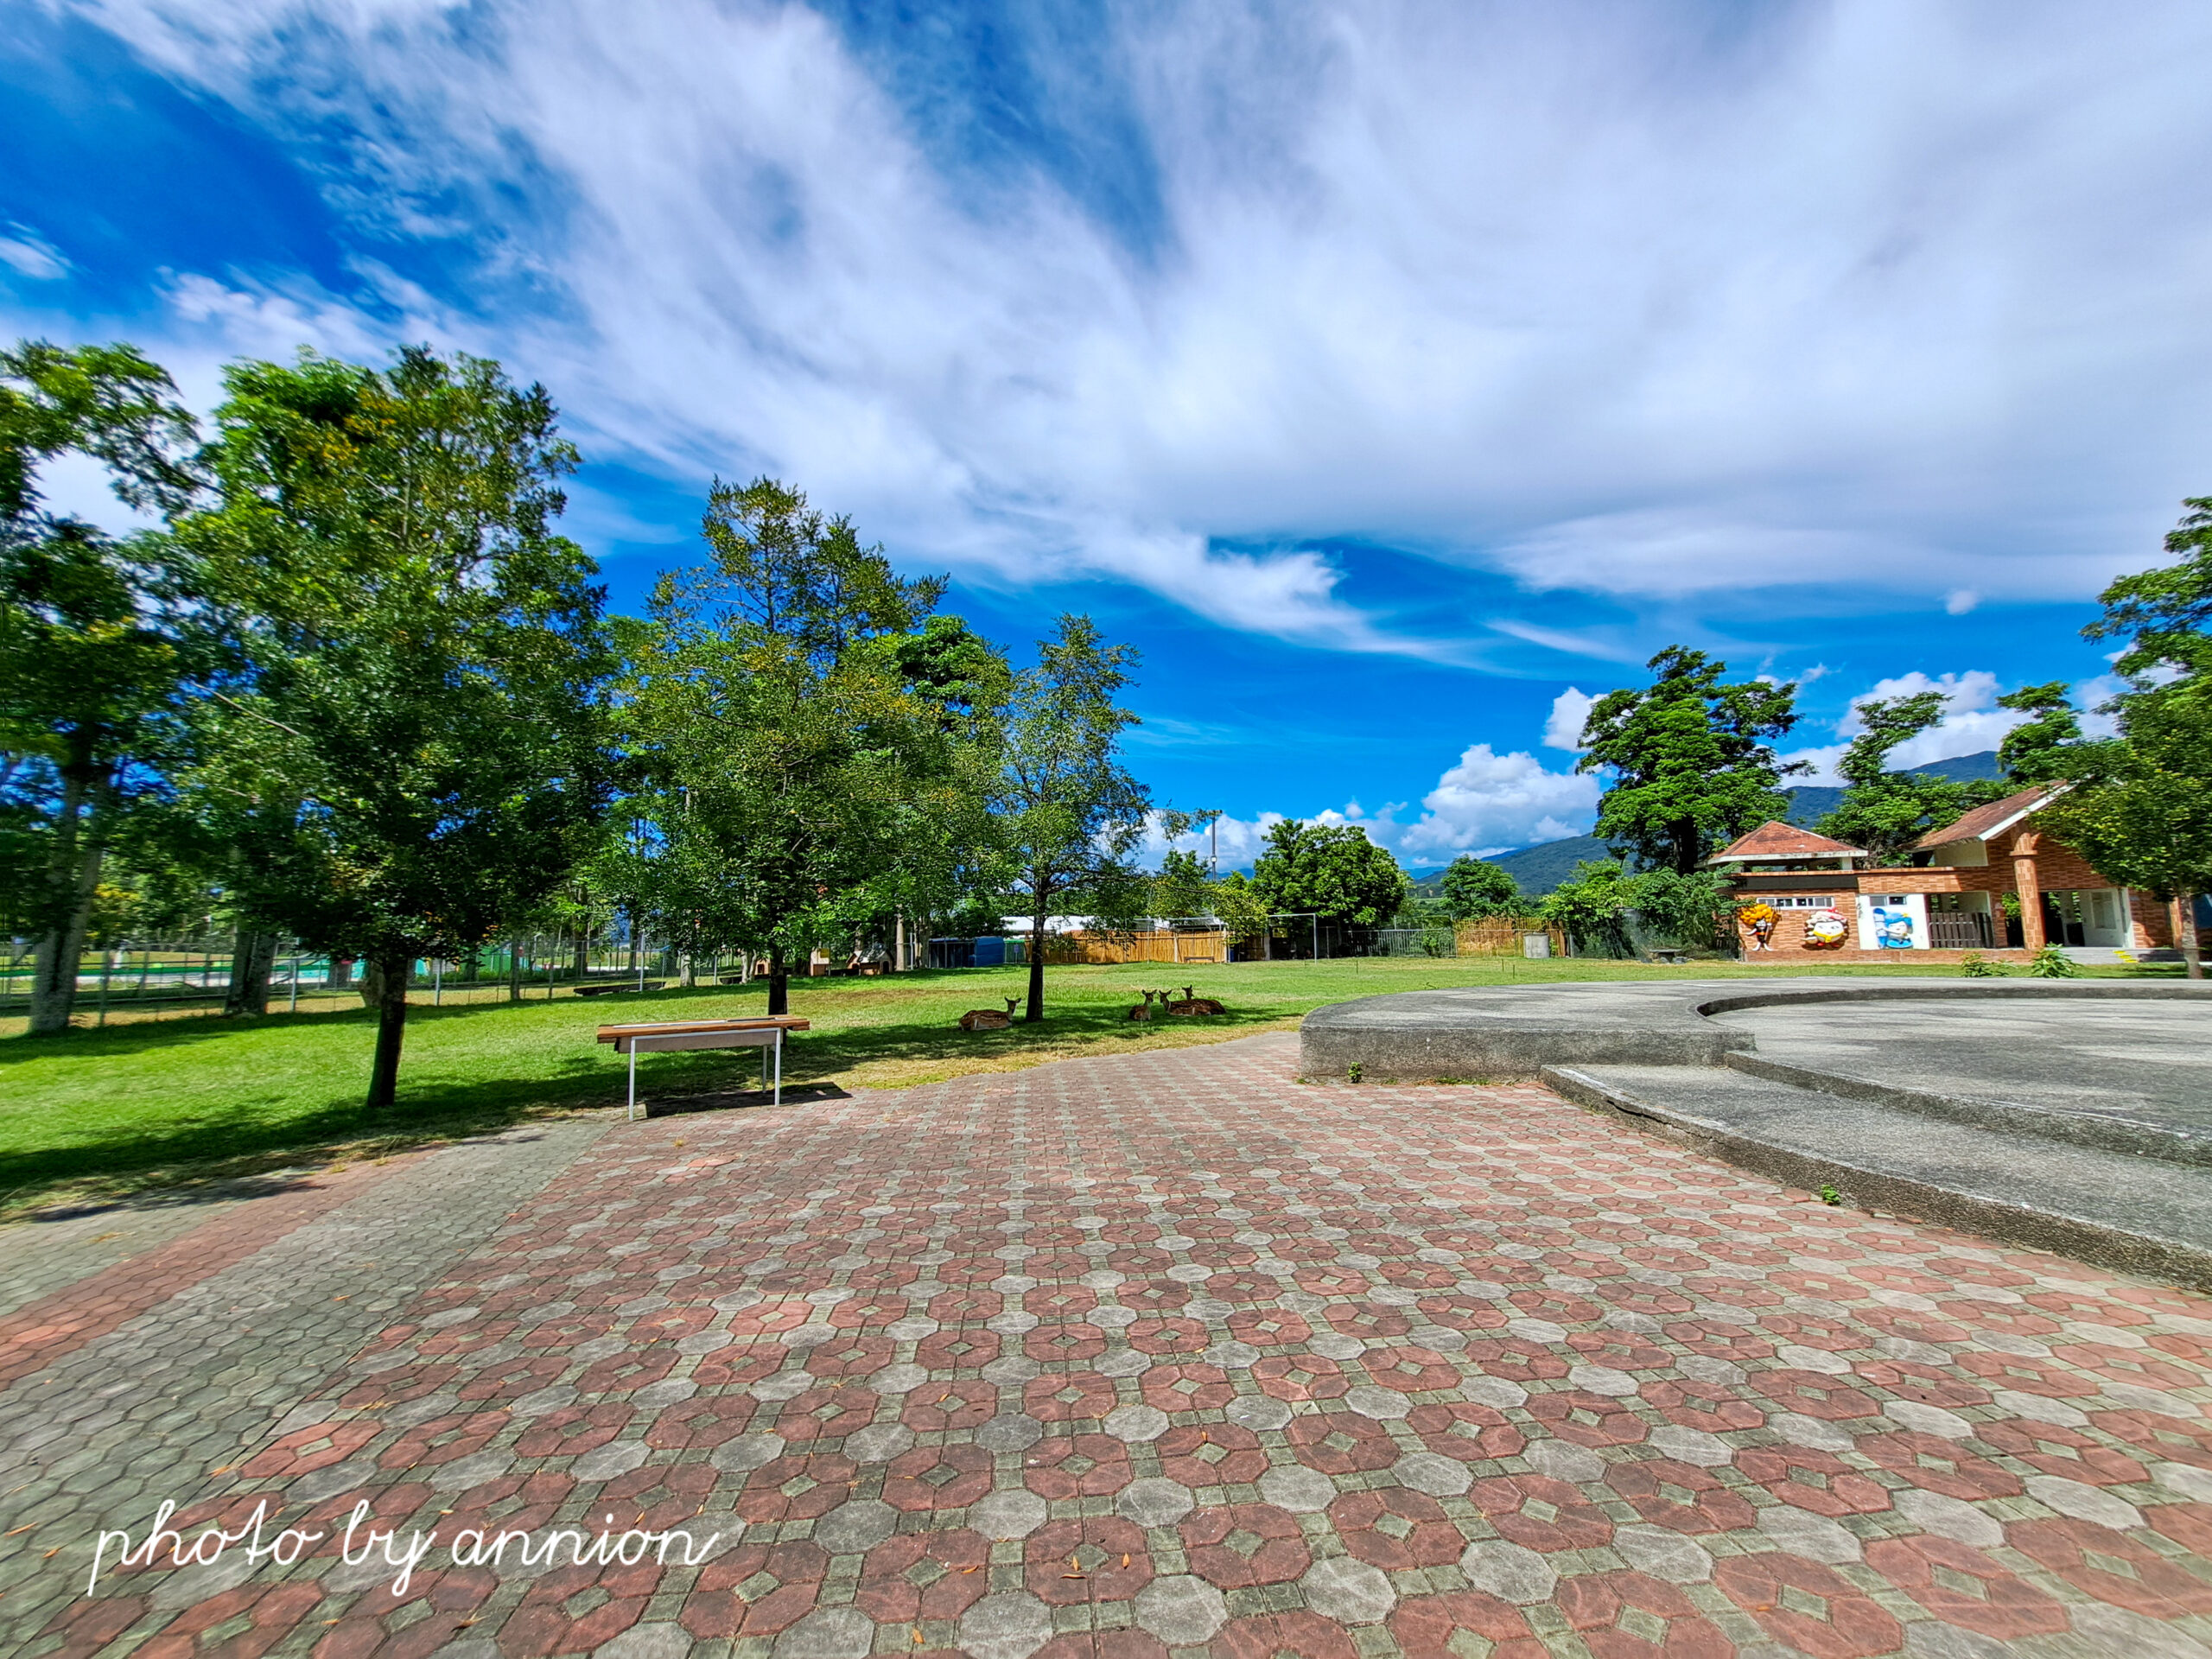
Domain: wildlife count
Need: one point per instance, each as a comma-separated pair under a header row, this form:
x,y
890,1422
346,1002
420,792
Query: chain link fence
x,y
177,977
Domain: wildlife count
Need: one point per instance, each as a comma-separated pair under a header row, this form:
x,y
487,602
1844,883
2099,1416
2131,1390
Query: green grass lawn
x,y
99,1114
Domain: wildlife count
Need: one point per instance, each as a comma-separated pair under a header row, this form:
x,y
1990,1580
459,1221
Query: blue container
x,y
991,952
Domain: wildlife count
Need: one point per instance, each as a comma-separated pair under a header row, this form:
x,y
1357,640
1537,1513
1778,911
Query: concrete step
x,y
2144,1214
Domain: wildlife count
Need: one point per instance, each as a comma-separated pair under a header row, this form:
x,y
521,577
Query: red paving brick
x,y
1170,1353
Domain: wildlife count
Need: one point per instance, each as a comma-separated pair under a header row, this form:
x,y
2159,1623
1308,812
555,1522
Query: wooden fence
x,y
1502,935
1063,949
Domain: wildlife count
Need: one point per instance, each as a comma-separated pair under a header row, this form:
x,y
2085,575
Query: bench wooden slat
x,y
671,1028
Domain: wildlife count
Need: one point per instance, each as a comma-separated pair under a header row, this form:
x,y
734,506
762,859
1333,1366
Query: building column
x,y
2027,879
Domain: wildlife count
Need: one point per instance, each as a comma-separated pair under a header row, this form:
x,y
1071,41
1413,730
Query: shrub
x,y
2052,962
1978,966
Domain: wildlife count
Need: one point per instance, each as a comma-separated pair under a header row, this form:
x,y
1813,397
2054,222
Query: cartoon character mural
x,y
1826,930
1893,928
1759,921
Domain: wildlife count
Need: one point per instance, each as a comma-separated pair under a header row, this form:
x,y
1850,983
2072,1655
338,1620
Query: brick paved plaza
x,y
1157,1354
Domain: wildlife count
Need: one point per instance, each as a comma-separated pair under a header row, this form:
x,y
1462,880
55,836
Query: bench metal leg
x,y
633,1082
779,1066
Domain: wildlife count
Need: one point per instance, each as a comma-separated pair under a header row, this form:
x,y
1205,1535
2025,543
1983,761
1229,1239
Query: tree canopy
x,y
95,639
1331,870
782,711
1472,888
1689,759
1885,811
2140,811
1068,814
410,747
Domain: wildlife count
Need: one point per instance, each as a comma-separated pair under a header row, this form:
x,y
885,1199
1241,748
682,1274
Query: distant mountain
x,y
1542,868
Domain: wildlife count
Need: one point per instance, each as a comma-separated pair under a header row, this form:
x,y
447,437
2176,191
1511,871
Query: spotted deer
x,y
990,1019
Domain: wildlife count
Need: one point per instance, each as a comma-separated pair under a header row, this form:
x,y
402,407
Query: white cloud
x,y
29,254
1488,803
1570,710
1902,297
1961,600
1972,722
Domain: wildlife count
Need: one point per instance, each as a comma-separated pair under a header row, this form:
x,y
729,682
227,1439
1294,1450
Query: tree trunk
x,y
75,870
252,963
472,965
583,953
2185,938
390,976
780,982
372,981
514,970
1036,1009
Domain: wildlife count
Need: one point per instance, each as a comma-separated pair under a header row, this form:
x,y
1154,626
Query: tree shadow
x,y
239,1139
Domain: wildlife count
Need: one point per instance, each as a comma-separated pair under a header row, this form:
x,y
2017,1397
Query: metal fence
x,y
168,978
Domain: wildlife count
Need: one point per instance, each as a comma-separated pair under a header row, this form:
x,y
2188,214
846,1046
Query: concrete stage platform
x,y
2069,1115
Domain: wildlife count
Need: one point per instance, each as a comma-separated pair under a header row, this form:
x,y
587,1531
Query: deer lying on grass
x,y
1190,1005
1143,1010
989,1019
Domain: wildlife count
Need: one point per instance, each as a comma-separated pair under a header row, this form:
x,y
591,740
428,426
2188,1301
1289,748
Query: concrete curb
x,y
2085,1238
1505,1034
2126,1135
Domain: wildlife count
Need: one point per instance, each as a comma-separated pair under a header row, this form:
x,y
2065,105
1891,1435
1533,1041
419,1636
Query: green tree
x,y
1243,913
1689,759
1697,910
802,763
2141,809
412,748
1182,891
1473,889
2040,748
2138,810
1885,811
1069,814
94,648
1330,870
1592,906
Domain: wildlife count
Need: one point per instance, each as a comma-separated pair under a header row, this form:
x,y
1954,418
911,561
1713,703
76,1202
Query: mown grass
x,y
101,1115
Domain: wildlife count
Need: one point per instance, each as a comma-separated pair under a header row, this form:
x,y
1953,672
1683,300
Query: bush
x,y
1697,911
2052,962
1977,966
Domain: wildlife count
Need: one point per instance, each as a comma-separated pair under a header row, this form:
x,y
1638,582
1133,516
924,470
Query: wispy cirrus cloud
x,y
1667,304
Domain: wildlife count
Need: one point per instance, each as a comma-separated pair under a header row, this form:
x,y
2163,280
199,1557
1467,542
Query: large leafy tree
x,y
94,639
1183,890
2141,808
412,750
1472,888
804,731
1069,816
2040,748
1690,760
1885,811
1330,870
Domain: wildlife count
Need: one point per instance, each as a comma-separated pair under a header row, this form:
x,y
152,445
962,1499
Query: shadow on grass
x,y
247,1136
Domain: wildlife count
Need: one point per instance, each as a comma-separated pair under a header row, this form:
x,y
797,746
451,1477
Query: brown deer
x,y
1190,1005
1143,1010
989,1019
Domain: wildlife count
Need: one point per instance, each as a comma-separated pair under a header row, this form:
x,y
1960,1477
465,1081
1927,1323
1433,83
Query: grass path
x,y
101,1115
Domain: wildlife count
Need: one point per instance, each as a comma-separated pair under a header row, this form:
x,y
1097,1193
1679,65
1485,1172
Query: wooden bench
x,y
617,987
765,1034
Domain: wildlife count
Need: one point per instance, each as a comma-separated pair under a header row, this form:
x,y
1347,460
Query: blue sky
x,y
1393,375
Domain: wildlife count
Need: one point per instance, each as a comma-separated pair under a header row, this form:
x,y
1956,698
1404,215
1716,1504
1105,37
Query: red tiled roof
x,y
1986,821
1775,839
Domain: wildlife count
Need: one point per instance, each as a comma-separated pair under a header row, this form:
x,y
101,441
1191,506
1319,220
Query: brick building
x,y
1988,882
